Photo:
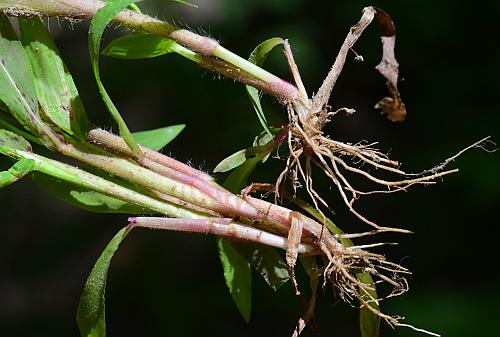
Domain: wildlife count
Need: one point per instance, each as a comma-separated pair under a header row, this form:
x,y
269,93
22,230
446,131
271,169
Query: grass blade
x,y
101,19
139,46
258,56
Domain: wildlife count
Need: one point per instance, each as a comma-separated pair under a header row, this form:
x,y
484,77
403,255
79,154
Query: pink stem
x,y
218,226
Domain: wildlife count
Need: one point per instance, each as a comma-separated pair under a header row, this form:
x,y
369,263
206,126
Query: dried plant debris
x,y
392,106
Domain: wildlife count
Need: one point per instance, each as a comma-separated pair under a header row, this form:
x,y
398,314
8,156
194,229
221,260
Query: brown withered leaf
x,y
392,106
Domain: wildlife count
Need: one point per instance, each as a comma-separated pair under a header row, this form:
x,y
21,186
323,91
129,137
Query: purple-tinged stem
x,y
224,227
210,51
117,145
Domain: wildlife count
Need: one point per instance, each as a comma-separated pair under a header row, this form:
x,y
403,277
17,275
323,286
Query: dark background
x,y
171,284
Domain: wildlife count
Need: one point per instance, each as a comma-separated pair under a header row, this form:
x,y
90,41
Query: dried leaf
x,y
392,106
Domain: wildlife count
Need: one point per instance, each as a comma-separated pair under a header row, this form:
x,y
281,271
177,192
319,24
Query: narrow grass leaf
x,y
258,56
90,315
139,46
101,19
158,138
238,277
56,91
17,171
16,79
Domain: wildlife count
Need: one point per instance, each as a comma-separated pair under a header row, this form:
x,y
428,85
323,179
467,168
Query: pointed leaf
x,y
91,309
239,177
266,261
16,79
7,126
157,139
231,162
16,172
139,46
101,19
258,56
238,277
54,85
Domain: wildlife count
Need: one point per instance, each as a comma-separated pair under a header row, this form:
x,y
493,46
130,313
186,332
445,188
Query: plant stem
x,y
92,182
208,49
219,226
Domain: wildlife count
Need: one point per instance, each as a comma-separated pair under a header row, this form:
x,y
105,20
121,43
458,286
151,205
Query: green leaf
x,y
157,139
231,162
11,140
17,171
186,3
261,149
56,91
266,261
258,56
239,177
369,323
16,79
101,19
139,46
88,200
12,128
238,277
90,315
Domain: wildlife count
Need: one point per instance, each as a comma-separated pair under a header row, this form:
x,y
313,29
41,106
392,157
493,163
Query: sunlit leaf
x,y
91,309
101,19
56,91
258,56
139,46
238,277
157,139
16,172
17,84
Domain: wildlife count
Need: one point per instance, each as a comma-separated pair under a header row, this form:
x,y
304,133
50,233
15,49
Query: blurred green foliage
x,y
171,284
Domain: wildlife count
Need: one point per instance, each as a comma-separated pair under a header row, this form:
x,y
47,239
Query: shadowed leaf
x,y
238,277
91,309
139,46
88,200
266,261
